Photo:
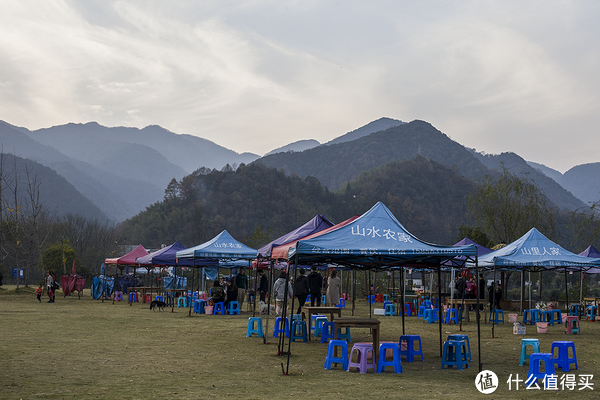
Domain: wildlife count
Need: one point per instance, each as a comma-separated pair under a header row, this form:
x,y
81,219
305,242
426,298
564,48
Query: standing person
x,y
460,287
39,292
498,296
301,289
50,285
334,289
232,293
481,287
241,281
217,294
315,282
279,292
263,286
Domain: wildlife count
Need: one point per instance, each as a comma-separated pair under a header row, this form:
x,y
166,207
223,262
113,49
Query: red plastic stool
x,y
148,298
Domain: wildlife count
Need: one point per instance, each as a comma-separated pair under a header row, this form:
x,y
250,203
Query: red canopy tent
x,y
72,282
129,258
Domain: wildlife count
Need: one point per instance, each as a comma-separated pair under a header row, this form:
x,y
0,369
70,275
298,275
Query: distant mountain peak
x,y
380,124
300,145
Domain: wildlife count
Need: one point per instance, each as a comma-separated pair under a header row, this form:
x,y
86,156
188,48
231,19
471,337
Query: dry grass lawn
x,y
89,349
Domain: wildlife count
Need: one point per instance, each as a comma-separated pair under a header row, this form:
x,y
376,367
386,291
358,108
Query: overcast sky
x,y
497,76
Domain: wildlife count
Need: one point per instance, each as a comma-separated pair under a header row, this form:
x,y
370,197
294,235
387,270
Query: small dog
x,y
157,304
263,307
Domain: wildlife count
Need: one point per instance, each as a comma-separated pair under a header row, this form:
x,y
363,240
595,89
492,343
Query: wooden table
x,y
352,322
314,310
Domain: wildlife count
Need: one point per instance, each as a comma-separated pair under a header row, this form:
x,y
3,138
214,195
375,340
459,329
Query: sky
x,y
520,76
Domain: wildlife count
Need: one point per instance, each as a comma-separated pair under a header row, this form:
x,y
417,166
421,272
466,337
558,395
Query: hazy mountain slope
x,y
549,172
517,165
300,145
380,124
55,193
333,165
583,181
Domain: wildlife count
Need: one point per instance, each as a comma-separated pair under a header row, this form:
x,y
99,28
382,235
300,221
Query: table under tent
x,y
534,252
72,282
377,241
124,282
223,248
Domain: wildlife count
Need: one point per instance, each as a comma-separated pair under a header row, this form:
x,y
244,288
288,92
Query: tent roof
x,y
318,223
166,256
535,250
481,250
375,239
129,258
281,252
593,252
221,246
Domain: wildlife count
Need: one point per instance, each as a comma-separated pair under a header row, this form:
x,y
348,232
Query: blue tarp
x,y
102,284
535,251
222,246
375,239
169,282
317,224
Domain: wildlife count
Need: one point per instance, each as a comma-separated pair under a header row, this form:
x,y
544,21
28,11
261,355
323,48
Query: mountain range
x,y
122,171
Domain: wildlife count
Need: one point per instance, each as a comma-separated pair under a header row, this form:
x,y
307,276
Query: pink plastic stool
x,y
362,350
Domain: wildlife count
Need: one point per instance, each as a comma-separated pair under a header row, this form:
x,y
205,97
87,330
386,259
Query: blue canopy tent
x,y
377,240
222,247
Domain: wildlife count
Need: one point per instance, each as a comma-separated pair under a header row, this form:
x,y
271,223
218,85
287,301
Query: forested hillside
x,y
428,198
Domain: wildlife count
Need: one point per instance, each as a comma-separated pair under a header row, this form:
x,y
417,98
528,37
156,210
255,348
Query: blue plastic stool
x,y
344,336
386,297
233,308
495,319
118,296
362,354
181,302
527,317
407,309
534,367
455,353
158,298
299,331
133,297
410,351
342,303
562,359
319,324
371,299
394,362
574,310
590,313
465,339
535,343
252,330
307,299
199,306
277,328
342,359
313,321
389,310
327,332
386,303
451,316
323,299
430,316
219,308
421,312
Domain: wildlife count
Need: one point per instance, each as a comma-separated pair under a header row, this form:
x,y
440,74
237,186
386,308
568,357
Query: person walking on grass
x,y
301,290
51,285
241,281
334,289
279,292
263,287
39,292
315,282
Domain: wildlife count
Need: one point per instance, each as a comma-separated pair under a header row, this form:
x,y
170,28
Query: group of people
x,y
232,289
469,288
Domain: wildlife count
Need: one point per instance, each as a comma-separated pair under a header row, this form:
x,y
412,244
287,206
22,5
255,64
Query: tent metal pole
x,y
174,287
493,300
353,290
566,288
370,294
192,293
478,314
522,285
255,288
284,314
289,352
530,290
439,304
270,281
402,297
580,294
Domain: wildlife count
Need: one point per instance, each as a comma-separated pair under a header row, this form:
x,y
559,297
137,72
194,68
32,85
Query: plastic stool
x,y
277,328
219,308
233,308
344,336
118,296
431,315
410,351
181,302
307,299
148,298
362,350
570,324
133,297
342,304
535,343
495,319
451,316
323,299
386,297
562,358
534,367
319,324
590,313
421,311
313,321
389,310
394,362
371,299
158,298
574,310
455,353
251,329
465,339
327,332
342,359
552,316
379,298
299,331
199,306
407,309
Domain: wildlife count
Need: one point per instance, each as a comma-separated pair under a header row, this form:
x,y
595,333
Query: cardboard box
x,y
379,311
519,329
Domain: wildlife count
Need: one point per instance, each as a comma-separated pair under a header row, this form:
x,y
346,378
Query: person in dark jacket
x,y
315,282
263,287
301,290
481,287
232,293
217,293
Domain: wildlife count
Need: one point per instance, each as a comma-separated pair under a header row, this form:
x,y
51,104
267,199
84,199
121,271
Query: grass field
x,y
83,348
